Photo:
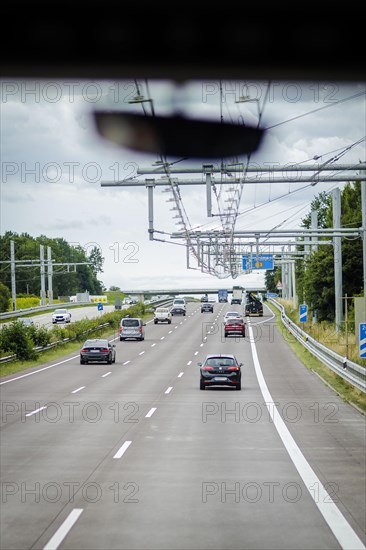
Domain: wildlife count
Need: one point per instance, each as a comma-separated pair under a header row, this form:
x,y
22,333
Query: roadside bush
x,y
5,298
40,336
16,339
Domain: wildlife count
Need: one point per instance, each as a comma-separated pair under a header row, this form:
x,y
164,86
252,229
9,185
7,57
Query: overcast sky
x,y
53,164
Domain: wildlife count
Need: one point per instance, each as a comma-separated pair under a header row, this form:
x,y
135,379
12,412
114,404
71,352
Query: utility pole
x,y
337,260
43,280
314,248
150,184
49,274
294,295
289,275
12,268
363,207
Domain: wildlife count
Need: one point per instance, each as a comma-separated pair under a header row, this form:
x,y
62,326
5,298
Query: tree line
x,y
64,282
315,274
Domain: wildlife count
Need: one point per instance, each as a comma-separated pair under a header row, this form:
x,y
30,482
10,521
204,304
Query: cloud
x,y
53,159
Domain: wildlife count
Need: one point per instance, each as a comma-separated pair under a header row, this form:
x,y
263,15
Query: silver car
x,y
131,327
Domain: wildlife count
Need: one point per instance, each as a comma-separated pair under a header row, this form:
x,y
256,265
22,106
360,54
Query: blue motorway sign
x,y
303,313
100,306
265,261
362,335
272,295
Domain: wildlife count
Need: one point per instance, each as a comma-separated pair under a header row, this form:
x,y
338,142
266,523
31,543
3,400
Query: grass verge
x,y
346,391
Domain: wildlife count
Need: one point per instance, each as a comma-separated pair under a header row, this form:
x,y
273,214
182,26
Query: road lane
x,y
178,481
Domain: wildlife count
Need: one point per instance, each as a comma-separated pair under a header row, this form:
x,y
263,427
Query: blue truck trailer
x,y
222,295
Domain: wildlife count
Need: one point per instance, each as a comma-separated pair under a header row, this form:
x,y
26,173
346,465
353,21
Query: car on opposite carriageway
x,y
26,321
61,316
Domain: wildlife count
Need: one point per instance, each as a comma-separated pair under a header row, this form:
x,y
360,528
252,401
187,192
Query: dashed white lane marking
x,y
78,389
106,374
162,338
196,352
152,345
122,449
341,529
201,345
180,375
168,390
150,413
126,362
62,531
34,412
141,353
189,363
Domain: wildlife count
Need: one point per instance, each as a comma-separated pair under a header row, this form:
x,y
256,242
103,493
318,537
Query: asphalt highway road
x,y
134,456
77,314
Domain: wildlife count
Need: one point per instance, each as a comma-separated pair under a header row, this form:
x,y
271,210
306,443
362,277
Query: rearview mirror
x,y
199,364
177,136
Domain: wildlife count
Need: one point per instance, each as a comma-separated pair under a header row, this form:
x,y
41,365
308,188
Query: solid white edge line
x,y
122,449
168,390
150,413
338,524
62,531
39,370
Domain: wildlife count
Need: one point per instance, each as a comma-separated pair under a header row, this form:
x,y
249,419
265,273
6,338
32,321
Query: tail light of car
x,y
207,368
105,350
85,350
233,368
140,329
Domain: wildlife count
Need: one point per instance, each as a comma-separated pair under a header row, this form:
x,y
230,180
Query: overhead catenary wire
x,y
230,217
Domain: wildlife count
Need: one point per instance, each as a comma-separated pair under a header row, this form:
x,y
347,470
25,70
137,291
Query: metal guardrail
x,y
350,371
27,311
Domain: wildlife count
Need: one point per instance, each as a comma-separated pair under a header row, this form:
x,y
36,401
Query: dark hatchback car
x,y
234,327
207,306
220,370
99,350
